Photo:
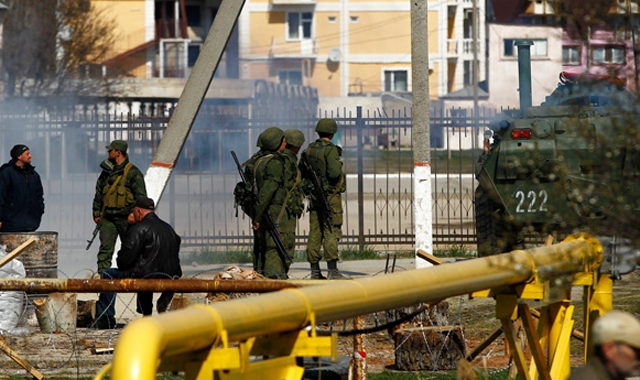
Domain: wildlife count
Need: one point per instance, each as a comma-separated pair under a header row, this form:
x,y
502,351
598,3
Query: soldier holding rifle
x,y
262,195
294,204
117,188
321,170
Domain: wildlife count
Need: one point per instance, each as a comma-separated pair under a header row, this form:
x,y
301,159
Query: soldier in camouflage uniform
x,y
241,197
117,188
325,230
271,186
295,198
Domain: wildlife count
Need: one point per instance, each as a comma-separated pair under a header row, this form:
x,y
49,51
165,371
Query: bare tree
x,y
54,47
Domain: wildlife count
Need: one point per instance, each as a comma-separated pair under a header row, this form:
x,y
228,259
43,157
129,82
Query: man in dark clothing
x,y
21,193
150,249
616,348
117,188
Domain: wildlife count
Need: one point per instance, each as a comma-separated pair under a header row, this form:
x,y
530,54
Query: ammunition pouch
x,y
117,195
243,196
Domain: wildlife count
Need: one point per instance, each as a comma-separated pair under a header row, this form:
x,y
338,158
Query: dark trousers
x,y
144,303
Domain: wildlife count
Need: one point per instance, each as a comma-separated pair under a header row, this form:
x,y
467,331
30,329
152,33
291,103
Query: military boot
x,y
334,273
316,274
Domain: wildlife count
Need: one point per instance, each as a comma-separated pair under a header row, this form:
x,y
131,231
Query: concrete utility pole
x,y
421,142
191,98
474,32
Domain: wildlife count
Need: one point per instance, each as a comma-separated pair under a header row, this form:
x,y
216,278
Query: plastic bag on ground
x,y
11,302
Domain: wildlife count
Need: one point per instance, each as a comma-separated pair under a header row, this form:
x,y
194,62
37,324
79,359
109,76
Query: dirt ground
x,y
83,352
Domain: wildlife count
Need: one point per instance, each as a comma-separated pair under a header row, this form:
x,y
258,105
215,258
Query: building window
x,y
468,72
608,55
192,54
354,19
571,55
290,77
396,80
467,24
299,25
538,49
332,19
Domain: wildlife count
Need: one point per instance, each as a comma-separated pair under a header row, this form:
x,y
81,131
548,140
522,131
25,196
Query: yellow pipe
x,y
144,342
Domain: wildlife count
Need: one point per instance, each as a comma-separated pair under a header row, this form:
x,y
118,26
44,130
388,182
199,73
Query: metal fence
x,y
377,155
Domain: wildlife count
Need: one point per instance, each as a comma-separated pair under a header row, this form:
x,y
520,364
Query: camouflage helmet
x,y
259,142
327,126
294,137
271,138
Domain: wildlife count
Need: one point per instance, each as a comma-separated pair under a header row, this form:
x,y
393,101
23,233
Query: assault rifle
x,y
269,223
318,191
93,236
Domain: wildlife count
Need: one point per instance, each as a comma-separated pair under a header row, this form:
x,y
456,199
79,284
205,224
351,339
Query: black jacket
x,y
150,249
21,198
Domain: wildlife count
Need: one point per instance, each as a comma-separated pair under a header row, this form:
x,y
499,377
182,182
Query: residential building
x,y
546,62
340,47
356,47
603,45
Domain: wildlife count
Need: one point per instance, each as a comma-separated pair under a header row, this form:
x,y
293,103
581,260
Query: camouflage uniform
x,y
240,198
113,222
295,197
324,158
271,184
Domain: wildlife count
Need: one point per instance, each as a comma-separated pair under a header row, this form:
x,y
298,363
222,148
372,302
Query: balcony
x,y
460,48
281,48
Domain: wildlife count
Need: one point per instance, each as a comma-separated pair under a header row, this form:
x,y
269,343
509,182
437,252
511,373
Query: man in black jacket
x,y
21,193
149,250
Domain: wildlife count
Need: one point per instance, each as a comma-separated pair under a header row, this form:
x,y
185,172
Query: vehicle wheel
x,y
495,234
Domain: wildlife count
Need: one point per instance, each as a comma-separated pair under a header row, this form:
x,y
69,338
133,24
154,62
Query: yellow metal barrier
x,y
197,339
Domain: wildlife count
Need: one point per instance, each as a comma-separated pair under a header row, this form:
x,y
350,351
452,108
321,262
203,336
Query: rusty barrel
x,y
40,259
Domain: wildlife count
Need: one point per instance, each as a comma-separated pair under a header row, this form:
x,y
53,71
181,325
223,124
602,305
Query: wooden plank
x,y
516,352
16,252
102,350
16,358
429,257
575,333
494,335
534,342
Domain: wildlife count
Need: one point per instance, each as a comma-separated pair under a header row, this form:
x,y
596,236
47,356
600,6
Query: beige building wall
x,y
368,36
352,44
263,26
380,33
503,73
129,17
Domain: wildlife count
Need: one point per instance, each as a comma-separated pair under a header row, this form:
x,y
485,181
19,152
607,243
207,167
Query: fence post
x,y
360,126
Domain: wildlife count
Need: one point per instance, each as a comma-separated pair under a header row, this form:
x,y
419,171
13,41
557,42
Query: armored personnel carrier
x,y
571,164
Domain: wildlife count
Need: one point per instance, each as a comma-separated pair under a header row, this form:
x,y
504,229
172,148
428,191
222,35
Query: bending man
x,y
150,249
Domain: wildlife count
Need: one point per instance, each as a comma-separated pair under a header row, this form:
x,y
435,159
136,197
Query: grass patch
x,y
355,253
204,256
454,251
